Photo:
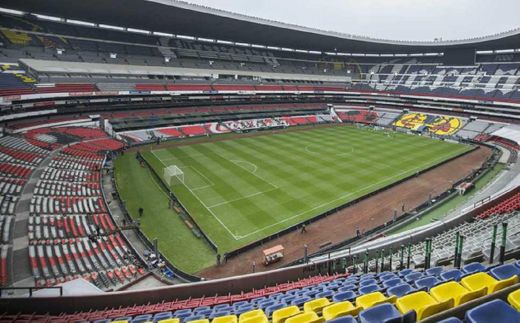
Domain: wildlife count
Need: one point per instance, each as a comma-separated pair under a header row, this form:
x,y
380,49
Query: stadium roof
x,y
177,17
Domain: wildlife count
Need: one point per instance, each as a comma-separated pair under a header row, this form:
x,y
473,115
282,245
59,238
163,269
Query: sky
x,y
387,19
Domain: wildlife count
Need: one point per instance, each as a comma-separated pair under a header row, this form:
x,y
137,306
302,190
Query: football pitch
x,y
244,189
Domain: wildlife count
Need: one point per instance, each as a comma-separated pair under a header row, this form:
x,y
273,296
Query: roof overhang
x,y
177,17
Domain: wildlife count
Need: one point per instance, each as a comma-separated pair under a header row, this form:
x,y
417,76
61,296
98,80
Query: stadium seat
x,y
344,296
225,319
254,316
400,290
455,291
196,321
479,280
514,299
283,313
305,317
171,320
340,309
385,313
369,300
344,319
316,305
493,311
474,267
452,274
505,271
426,282
423,304
434,271
369,289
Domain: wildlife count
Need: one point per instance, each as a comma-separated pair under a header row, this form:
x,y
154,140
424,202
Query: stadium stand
x,y
73,95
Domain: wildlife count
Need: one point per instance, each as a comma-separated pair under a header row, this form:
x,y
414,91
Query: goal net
x,y
173,175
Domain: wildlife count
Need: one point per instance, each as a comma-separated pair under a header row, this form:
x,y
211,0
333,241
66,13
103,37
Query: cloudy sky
x,y
389,19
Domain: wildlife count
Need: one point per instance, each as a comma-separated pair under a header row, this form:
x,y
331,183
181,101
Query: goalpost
x,y
173,175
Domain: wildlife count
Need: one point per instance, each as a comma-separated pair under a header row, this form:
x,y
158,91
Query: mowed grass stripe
x,y
314,171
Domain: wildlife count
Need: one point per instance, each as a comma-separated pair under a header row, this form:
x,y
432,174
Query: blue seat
x,y
276,296
346,287
426,282
434,271
141,318
103,321
505,271
412,277
366,276
258,300
392,282
400,290
385,313
388,276
369,289
235,305
343,319
288,299
311,293
326,293
450,320
367,282
344,296
182,313
493,311
405,272
203,312
473,267
452,274
123,318
221,307
244,308
270,309
162,316
206,308
266,304
217,313
300,301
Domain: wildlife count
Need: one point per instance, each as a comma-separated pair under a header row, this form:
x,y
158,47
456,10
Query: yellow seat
x,y
284,313
316,305
254,316
480,280
170,321
225,319
457,292
340,309
375,298
423,304
305,317
196,321
514,299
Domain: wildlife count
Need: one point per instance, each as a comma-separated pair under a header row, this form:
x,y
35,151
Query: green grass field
x,y
244,189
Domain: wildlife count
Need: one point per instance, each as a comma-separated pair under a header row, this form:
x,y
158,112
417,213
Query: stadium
x,y
211,167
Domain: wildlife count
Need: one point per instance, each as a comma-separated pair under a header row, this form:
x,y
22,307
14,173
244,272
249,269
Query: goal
x,y
173,175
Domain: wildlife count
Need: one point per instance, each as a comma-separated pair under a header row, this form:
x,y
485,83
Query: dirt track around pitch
x,y
368,213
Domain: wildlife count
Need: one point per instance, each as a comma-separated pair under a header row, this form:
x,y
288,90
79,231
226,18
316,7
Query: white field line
x,y
336,199
252,173
242,198
208,181
201,202
246,162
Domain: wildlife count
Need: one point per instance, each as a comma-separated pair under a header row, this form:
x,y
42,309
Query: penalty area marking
x,y
203,204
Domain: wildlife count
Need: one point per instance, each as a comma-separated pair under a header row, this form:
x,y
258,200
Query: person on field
x,y
141,211
304,229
